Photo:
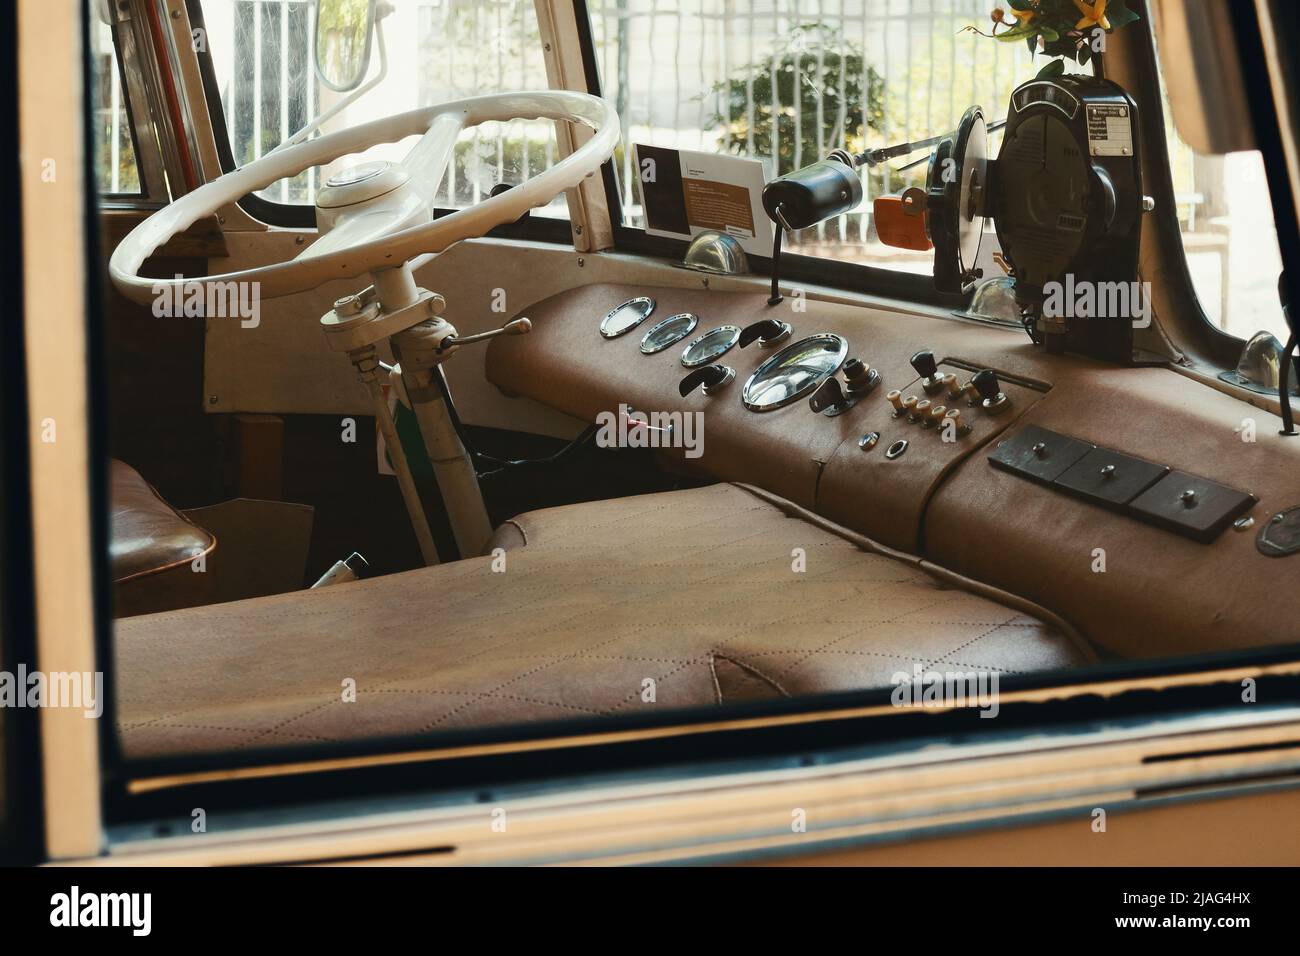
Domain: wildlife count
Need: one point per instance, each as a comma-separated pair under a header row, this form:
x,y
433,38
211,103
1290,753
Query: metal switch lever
x,y
927,367
520,326
990,391
766,332
829,397
712,377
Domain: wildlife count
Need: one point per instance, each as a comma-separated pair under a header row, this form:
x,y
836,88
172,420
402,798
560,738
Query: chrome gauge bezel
x,y
643,302
841,352
689,327
732,337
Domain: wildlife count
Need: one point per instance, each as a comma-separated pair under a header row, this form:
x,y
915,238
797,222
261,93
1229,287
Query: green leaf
x,y
1018,32
1119,14
1053,68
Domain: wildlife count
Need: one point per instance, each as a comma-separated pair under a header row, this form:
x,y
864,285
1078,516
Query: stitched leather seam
x,y
748,668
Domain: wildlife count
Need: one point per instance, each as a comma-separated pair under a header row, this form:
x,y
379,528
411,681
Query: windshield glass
x,y
262,54
785,83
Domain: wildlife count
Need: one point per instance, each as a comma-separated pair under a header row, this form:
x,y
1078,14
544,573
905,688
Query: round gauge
x,y
624,318
668,332
794,371
711,345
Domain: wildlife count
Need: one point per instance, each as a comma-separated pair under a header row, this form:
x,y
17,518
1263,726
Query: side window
x,y
438,50
115,167
786,83
1225,216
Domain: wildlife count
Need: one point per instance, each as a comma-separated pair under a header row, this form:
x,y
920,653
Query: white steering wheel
x,y
363,244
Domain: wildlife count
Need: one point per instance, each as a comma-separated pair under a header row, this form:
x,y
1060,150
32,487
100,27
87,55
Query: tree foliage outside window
x,y
813,94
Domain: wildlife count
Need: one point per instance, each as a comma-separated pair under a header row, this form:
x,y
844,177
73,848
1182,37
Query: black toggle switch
x,y
711,377
829,396
767,332
990,391
924,363
928,368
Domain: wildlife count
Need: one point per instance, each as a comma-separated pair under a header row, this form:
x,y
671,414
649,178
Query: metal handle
x,y
520,326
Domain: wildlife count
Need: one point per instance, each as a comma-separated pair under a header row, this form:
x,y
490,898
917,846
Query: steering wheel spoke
x,y
429,158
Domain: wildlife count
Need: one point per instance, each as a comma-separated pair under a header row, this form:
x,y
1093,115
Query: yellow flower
x,y
1024,16
1094,14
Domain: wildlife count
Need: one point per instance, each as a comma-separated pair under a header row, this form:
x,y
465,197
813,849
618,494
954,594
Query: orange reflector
x,y
900,222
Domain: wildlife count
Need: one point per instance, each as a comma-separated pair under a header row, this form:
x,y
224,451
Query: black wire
x,y
555,458
776,258
1284,388
503,464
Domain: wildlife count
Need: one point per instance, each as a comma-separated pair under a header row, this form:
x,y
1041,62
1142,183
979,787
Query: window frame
x,y
633,743
130,62
142,194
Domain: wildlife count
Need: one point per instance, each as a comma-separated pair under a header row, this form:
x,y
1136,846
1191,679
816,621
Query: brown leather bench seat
x,y
151,547
695,591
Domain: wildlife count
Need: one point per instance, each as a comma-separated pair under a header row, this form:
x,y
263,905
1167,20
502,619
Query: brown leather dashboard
x,y
1158,594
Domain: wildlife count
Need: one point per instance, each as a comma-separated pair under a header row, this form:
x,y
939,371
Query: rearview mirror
x,y
344,29
1203,74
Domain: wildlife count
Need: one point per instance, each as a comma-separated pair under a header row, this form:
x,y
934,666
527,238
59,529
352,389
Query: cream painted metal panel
x,y
54,322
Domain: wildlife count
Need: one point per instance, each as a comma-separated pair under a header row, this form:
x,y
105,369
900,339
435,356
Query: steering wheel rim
x,y
308,272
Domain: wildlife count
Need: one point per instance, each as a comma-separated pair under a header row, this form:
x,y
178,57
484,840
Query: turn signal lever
x,y
712,377
767,332
520,326
806,197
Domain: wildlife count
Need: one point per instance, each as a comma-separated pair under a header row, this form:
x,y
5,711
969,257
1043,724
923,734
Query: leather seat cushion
x,y
693,590
147,534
